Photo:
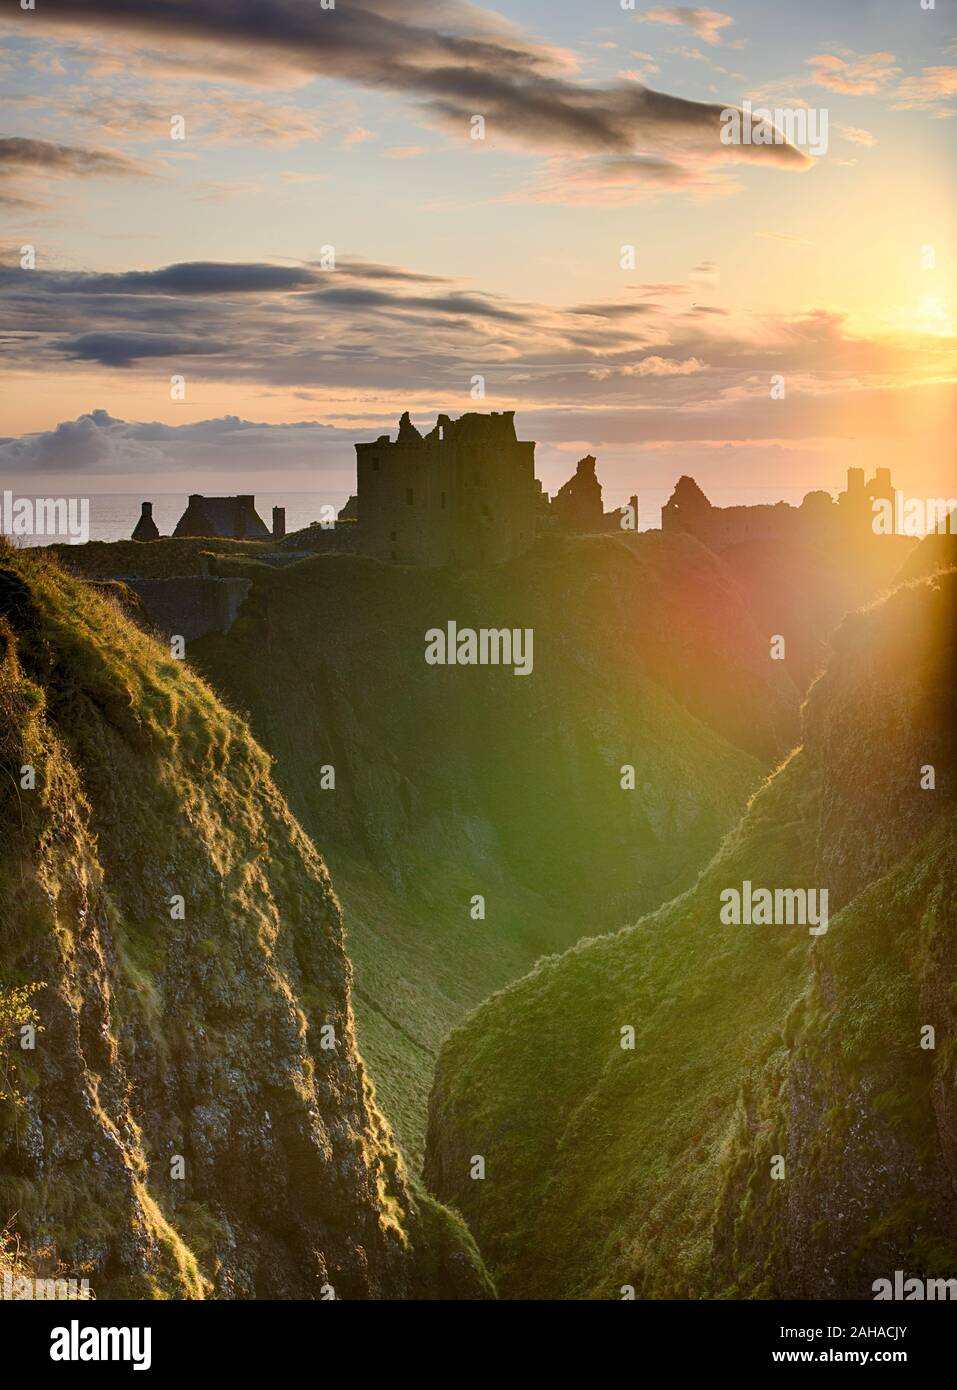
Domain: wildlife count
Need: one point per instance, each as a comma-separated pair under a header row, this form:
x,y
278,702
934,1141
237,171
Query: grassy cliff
x,y
652,1168
195,1119
454,782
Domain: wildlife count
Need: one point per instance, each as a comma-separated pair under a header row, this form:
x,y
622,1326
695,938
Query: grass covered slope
x,y
167,558
195,1118
651,1167
457,781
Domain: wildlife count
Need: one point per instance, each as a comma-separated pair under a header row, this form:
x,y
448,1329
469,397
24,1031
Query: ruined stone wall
x,y
191,606
726,526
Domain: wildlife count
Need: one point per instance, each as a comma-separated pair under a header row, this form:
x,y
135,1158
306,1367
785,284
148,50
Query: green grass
x,y
451,782
162,559
653,1167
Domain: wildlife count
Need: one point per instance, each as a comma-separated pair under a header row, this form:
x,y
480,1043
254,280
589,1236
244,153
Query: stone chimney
x,y
278,523
145,528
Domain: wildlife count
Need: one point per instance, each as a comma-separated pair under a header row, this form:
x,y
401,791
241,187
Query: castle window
x,y
392,536
409,496
485,510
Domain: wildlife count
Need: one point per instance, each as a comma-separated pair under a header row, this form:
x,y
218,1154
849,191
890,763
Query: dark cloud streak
x,y
20,155
518,85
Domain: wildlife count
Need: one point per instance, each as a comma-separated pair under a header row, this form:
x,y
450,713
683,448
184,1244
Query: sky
x,y
238,236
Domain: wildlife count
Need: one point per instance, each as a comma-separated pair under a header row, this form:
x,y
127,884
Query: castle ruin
x,y
464,494
719,528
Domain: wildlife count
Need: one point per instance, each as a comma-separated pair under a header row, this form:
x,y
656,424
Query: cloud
x,y
456,305
862,74
101,445
226,119
451,58
933,90
27,165
74,445
610,311
18,154
664,366
627,179
194,277
694,55
606,182
357,269
706,25
123,349
856,136
16,202
380,339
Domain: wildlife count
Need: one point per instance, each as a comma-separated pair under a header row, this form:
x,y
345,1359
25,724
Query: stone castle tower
x,y
464,494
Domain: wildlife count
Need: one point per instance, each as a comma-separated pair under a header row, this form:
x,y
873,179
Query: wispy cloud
x,y
934,90
855,74
857,136
28,164
451,60
705,24
379,332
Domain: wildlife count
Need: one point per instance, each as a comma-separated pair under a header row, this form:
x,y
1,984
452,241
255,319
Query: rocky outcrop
x,y
196,1119
861,1099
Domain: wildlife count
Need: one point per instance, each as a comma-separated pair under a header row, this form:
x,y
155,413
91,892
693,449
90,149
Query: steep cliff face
x,y
196,1120
452,782
757,1049
861,1097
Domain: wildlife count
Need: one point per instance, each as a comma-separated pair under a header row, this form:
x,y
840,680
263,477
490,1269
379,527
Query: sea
x,y
113,515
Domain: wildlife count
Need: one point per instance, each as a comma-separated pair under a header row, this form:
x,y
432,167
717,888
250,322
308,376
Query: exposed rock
x,y
220,1035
